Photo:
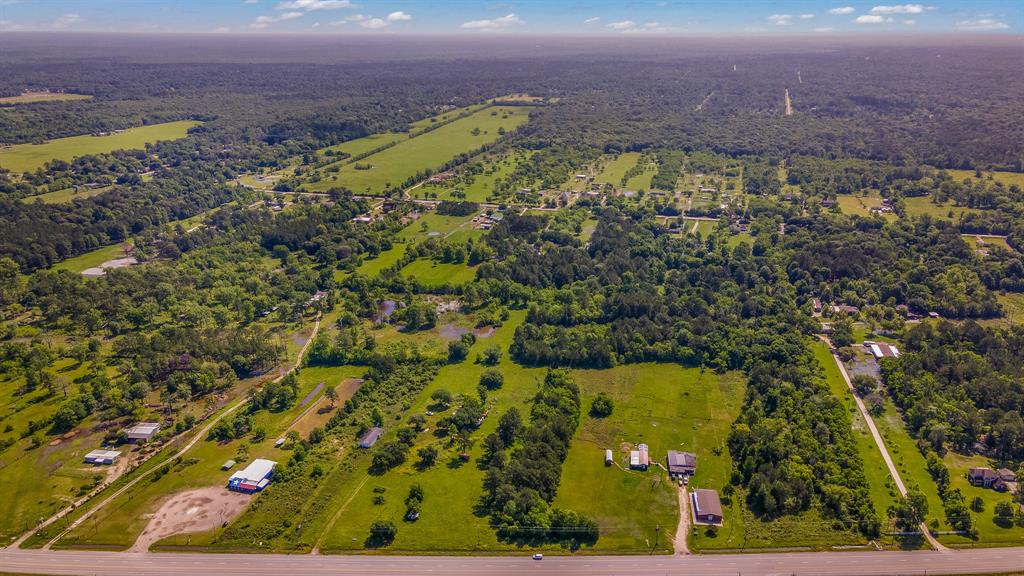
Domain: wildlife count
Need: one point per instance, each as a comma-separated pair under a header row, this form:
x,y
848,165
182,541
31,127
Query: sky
x,y
510,17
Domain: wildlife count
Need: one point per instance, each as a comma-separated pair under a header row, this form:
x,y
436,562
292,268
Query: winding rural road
x,y
977,561
199,436
881,446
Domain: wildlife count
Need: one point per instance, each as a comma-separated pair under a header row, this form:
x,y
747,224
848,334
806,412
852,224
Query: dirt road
x,y
683,530
881,445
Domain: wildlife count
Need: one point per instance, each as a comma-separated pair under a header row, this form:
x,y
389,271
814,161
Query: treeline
x,y
520,488
670,167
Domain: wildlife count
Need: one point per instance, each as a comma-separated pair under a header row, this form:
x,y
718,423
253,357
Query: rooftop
x,y
706,502
257,470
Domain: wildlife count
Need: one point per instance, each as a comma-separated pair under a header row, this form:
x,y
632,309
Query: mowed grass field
x,y
65,195
28,157
33,97
91,259
366,143
395,165
921,205
615,168
434,274
859,205
479,187
667,407
1007,178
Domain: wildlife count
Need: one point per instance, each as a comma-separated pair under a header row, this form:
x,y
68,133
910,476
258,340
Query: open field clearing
x,y
477,187
666,407
366,143
446,116
859,205
28,157
66,195
613,169
434,225
397,164
434,274
1007,178
921,205
34,97
373,266
92,259
191,511
909,461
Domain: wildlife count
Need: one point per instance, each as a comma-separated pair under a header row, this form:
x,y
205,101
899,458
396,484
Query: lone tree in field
x,y
332,395
381,534
602,406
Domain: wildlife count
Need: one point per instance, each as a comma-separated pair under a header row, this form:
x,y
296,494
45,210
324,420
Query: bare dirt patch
x,y
192,511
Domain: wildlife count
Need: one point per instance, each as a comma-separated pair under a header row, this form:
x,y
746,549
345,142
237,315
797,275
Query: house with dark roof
x,y
681,463
707,508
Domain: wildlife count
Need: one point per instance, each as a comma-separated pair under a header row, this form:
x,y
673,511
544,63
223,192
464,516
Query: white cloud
x,y
311,5
781,19
265,21
221,30
631,27
592,20
65,21
871,19
981,24
806,16
251,2
899,9
375,23
315,25
289,15
494,23
623,25
842,10
338,23
910,21
398,17
355,18
825,29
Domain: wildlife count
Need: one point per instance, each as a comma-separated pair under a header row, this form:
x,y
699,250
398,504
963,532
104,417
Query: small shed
x,y
371,436
279,442
608,458
228,465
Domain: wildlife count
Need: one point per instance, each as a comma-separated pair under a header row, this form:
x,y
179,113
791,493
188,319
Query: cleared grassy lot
x,y
65,195
859,205
921,205
33,97
28,157
478,187
615,168
432,273
1007,178
667,407
367,143
395,165
91,259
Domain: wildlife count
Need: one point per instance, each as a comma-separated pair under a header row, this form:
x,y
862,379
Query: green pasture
x,y
91,259
432,273
989,532
66,195
667,407
28,157
922,205
397,164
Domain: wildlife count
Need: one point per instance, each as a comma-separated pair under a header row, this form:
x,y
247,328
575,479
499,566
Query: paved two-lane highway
x,y
820,563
